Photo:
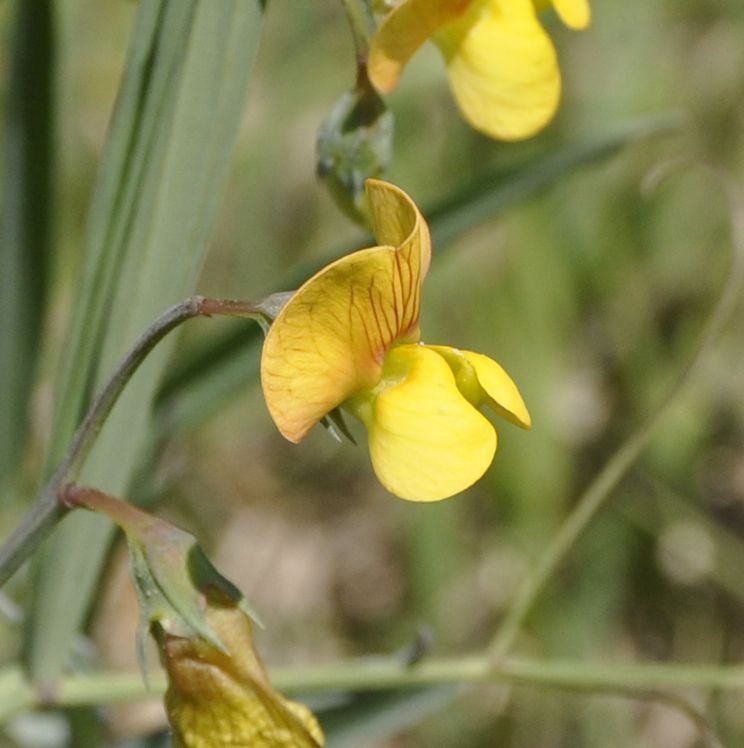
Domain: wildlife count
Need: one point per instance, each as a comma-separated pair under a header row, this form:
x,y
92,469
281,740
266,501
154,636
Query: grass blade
x,y
159,186
25,222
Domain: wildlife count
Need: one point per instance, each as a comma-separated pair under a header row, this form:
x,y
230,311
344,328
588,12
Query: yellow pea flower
x,y
224,698
350,337
501,64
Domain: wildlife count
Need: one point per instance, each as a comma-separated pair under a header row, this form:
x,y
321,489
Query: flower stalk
x,y
49,509
362,25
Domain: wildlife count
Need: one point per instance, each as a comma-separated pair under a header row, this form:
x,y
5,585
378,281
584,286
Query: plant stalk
x,y
362,25
627,680
49,509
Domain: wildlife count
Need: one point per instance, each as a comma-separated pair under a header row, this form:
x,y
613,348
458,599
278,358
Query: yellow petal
x,y
425,440
502,394
481,380
224,699
502,68
397,222
402,32
330,339
574,13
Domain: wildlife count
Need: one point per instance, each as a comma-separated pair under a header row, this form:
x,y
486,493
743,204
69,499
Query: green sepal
x,y
172,574
268,308
336,426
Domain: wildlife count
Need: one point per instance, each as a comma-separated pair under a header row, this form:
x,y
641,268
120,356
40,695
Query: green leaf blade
x,y
161,181
26,219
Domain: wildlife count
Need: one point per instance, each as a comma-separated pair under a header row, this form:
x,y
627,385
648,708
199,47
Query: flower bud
x,y
354,144
219,695
224,698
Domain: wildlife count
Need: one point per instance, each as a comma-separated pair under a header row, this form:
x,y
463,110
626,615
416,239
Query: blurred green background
x,y
590,291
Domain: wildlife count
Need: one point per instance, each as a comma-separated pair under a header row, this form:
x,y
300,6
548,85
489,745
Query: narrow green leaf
x,y
200,382
160,182
493,193
25,221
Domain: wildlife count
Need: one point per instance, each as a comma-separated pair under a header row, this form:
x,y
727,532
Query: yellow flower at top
x,y
501,64
350,337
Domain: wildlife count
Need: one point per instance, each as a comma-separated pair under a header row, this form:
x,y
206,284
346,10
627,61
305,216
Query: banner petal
x,y
330,339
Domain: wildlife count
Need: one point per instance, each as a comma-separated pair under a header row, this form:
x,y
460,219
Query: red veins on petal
x,y
330,340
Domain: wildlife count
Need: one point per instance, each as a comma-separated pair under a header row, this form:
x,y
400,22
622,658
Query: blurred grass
x,y
26,219
158,187
589,294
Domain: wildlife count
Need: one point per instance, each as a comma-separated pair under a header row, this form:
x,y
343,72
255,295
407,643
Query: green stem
x,y
362,25
385,674
637,680
48,510
599,490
